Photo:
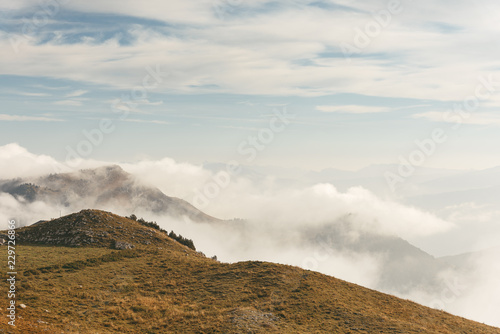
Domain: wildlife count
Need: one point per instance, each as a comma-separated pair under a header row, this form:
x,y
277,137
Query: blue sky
x,y
364,79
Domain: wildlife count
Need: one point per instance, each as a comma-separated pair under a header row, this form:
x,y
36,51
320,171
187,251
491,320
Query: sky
x,y
306,84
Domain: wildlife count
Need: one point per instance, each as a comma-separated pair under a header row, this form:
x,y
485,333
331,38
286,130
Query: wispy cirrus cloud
x,y
136,120
353,109
198,57
22,118
149,103
482,118
33,94
77,93
74,103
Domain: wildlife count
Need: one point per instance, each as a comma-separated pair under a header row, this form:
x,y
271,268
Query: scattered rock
x,y
123,245
22,306
251,320
92,228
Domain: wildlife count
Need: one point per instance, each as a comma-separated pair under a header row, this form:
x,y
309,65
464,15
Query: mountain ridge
x,y
169,288
93,228
102,188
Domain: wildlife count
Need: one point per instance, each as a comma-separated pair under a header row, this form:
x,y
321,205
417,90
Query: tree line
x,y
177,237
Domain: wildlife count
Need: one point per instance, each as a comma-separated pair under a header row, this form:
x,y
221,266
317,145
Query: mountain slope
x,y
91,228
402,265
104,188
165,287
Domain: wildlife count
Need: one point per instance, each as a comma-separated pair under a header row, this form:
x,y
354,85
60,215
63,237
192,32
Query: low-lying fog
x,y
323,222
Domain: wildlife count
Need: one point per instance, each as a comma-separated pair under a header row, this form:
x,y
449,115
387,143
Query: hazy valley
x,y
347,246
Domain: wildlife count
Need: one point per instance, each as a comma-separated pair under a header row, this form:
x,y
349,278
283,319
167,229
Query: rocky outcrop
x,y
123,245
91,228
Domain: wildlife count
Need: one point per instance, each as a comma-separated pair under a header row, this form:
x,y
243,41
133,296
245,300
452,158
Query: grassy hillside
x,y
165,287
92,228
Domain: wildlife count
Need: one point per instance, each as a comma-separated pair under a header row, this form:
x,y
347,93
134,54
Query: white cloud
x,y
298,206
480,300
33,94
77,93
472,118
20,118
236,54
352,109
50,87
135,120
315,205
322,204
74,103
16,161
472,213
173,178
149,103
23,213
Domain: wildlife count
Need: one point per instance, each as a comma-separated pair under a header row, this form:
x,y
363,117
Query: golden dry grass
x,y
172,289
175,290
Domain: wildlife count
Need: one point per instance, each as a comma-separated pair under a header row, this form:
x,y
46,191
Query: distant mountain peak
x,y
106,187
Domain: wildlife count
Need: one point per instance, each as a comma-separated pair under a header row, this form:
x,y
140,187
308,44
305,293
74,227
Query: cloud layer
x,y
423,50
280,219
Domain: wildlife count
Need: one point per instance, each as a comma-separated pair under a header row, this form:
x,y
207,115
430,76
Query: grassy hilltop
x,y
73,280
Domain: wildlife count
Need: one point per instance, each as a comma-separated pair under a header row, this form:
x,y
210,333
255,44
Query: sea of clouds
x,y
277,219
